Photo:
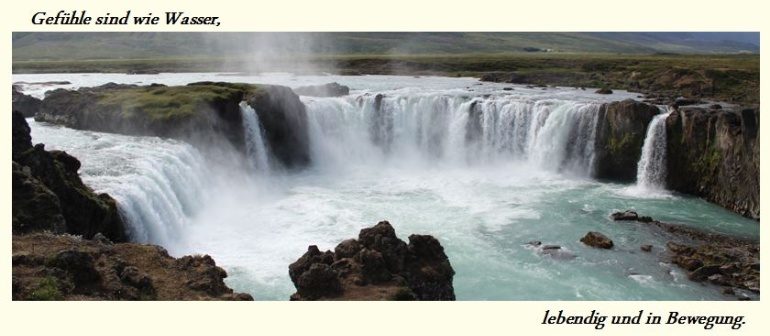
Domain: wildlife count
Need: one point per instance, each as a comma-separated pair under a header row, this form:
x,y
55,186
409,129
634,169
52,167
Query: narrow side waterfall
x,y
159,184
651,170
256,149
556,135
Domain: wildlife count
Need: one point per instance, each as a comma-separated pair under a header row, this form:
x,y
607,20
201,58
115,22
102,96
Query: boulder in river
x,y
597,239
376,266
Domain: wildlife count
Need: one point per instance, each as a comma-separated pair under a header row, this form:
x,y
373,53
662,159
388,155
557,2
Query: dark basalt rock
x,y
427,269
714,154
381,126
630,215
597,239
716,258
604,91
325,90
621,129
377,266
284,120
50,181
726,263
25,104
625,215
35,207
20,133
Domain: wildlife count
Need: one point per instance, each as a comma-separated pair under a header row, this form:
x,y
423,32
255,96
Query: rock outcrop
x,y
377,266
198,113
46,266
48,194
597,239
284,119
25,104
630,215
724,264
381,127
202,114
604,91
714,154
325,90
621,130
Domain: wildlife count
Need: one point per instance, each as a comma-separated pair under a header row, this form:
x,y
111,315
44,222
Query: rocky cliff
x,y
25,104
376,266
48,193
63,237
714,154
621,129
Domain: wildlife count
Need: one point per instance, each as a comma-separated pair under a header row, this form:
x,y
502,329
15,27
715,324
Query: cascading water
x,y
651,170
158,184
556,135
483,174
257,151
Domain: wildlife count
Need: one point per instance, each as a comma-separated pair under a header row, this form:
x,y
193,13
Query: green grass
x,y
47,290
166,103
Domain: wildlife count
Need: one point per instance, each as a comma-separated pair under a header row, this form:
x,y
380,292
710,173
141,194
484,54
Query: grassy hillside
x,y
91,45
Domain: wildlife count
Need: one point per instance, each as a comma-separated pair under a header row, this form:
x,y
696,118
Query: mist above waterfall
x,y
255,53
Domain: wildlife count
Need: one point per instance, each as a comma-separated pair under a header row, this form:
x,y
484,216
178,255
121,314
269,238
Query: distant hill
x,y
92,45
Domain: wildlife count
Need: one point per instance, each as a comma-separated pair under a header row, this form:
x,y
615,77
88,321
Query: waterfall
x,y
556,135
159,184
256,150
651,170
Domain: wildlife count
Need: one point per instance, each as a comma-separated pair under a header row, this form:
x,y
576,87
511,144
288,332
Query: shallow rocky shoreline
x,y
722,260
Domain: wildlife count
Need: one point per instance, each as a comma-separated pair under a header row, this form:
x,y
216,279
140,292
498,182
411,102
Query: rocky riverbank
x,y
719,259
47,266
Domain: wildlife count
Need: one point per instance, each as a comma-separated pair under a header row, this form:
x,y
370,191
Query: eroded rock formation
x,y
25,104
48,193
714,154
621,130
376,266
284,119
